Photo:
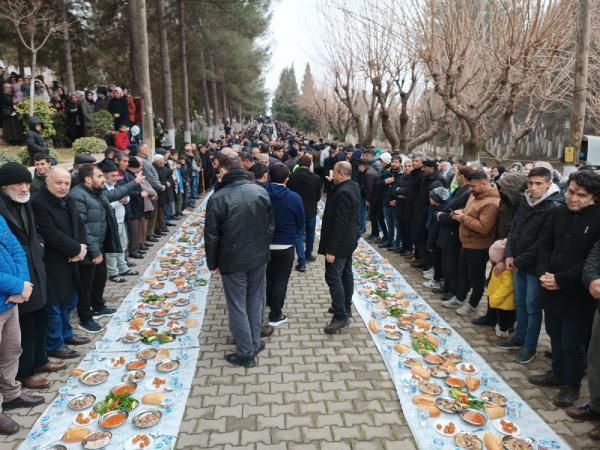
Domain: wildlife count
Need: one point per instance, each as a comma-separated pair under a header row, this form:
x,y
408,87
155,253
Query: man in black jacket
x,y
240,253
339,237
308,186
569,308
521,253
15,207
399,194
591,411
64,237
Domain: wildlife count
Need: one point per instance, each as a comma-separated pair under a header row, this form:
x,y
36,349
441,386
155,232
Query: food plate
x,y
439,330
131,338
393,335
454,382
85,418
147,418
438,372
155,384
494,398
452,357
411,362
178,315
445,427
94,377
113,419
178,331
167,365
468,441
81,402
146,353
123,388
448,405
139,442
433,358
156,322
473,417
136,364
97,440
430,387
507,427
182,302
516,443
467,368
133,375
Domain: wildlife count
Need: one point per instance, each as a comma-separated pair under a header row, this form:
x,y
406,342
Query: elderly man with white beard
x,y
15,182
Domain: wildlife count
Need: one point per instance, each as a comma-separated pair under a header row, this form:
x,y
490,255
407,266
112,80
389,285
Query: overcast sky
x,y
293,38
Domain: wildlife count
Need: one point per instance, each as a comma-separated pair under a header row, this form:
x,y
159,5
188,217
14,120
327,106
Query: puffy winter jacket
x,y
13,266
35,140
478,226
288,213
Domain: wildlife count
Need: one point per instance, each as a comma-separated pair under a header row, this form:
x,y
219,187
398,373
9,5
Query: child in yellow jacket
x,y
500,290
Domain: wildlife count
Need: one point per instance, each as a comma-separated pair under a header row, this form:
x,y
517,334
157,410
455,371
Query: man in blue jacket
x,y
15,288
288,213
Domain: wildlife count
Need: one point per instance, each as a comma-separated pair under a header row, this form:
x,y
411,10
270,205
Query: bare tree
x,y
64,9
165,63
34,23
184,72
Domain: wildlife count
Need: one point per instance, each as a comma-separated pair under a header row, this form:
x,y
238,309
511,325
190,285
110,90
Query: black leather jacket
x,y
239,225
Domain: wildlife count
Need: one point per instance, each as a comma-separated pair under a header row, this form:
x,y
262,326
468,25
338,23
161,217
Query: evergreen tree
x,y
285,105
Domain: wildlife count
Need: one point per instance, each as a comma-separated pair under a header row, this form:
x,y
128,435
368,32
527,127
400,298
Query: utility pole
x,y
144,74
581,81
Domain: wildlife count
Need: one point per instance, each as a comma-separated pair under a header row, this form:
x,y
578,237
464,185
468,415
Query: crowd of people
x,y
524,236
448,218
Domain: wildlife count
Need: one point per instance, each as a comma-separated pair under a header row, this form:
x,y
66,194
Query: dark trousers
x,y
245,296
505,319
471,266
133,233
93,281
594,364
59,324
450,258
279,269
339,278
568,339
419,234
436,262
310,224
34,326
405,237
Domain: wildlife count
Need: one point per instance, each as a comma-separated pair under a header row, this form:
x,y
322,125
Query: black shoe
x,y
64,353
440,290
419,265
266,331
484,321
237,360
311,258
137,255
90,326
406,253
146,247
379,240
548,354
260,349
170,224
385,245
130,264
566,396
397,250
335,326
8,426
152,239
547,379
300,268
447,296
348,312
23,401
77,340
105,311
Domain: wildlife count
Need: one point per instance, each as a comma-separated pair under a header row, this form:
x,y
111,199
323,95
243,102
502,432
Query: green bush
x,y
42,110
89,145
7,157
196,138
23,156
102,123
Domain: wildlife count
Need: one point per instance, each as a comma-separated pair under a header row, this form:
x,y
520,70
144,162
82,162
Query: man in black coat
x,y
15,207
64,237
339,238
308,186
570,234
240,253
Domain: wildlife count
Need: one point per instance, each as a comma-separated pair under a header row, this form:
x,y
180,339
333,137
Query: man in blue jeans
x,y
308,186
521,255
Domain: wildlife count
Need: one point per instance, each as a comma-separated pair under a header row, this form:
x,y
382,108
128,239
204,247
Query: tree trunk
x,y
165,64
388,129
224,100
67,49
205,95
215,96
403,137
32,82
20,56
144,72
187,136
581,75
134,49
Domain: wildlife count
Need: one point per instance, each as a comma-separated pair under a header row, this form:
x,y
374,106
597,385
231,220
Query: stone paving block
x,y
231,437
263,422
287,435
249,437
295,421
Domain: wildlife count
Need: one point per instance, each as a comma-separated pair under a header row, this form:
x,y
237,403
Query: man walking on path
x,y
308,186
339,238
240,253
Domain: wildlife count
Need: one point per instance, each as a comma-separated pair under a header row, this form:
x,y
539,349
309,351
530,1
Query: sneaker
x,y
509,344
301,268
465,309
525,355
431,284
428,274
452,302
275,323
447,296
237,360
90,326
105,311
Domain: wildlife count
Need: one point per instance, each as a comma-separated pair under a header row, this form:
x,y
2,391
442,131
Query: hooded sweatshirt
x,y
288,213
536,201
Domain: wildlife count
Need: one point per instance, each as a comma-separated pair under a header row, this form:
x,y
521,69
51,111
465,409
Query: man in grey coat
x,y
240,253
152,176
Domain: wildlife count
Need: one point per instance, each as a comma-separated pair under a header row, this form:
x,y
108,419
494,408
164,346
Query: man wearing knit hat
x,y
15,182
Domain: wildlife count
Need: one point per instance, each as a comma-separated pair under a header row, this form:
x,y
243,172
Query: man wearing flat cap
x,y
15,207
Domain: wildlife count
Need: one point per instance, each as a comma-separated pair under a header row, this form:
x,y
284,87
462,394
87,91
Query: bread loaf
x,y
76,434
154,398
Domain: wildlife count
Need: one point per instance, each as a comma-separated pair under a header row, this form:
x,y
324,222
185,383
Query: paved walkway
x,y
310,390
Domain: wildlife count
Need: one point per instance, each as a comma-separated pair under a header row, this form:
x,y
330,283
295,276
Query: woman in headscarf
x,y
17,90
88,108
497,173
13,131
74,118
